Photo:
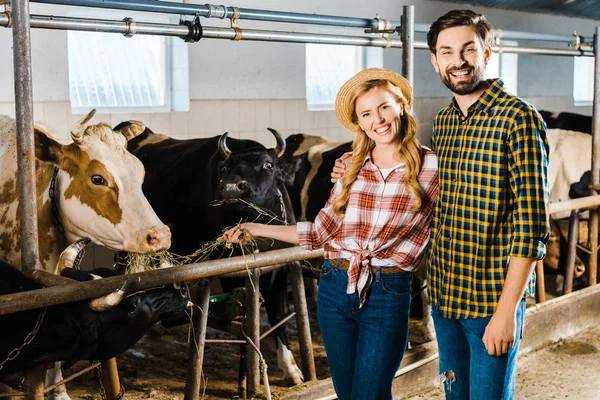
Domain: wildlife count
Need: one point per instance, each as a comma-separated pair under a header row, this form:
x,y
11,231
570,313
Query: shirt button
x,y
454,180
464,121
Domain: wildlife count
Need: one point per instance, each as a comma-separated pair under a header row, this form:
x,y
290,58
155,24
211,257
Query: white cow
x,y
98,196
570,157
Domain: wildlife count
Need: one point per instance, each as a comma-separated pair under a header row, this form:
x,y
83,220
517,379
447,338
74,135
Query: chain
x,y
119,396
52,194
282,207
28,339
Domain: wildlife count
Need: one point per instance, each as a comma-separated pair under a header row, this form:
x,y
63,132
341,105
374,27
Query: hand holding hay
x,y
241,233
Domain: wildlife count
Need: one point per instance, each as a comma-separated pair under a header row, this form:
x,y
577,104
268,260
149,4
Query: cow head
x,y
99,188
252,174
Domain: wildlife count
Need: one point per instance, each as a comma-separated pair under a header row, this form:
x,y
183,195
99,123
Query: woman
x,y
374,230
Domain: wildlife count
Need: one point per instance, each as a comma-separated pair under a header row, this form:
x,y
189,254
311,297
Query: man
x,y
491,220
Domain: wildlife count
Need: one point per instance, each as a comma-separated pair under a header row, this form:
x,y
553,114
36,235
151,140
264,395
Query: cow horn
x,y
134,129
68,258
110,300
223,149
280,148
77,135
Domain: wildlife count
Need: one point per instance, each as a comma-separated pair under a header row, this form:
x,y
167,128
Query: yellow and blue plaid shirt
x,y
492,203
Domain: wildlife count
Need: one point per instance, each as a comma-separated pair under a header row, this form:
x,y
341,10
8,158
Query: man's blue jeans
x,y
467,371
364,346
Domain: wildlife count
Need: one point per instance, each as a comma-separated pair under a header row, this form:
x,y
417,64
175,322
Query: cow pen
x,y
381,33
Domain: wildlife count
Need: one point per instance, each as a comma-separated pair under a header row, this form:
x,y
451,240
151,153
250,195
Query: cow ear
x,y
289,169
46,148
131,129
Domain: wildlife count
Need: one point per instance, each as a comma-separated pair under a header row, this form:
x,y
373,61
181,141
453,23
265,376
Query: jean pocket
x,y
326,270
397,284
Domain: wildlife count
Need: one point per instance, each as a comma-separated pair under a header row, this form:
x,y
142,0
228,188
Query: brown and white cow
x,y
98,195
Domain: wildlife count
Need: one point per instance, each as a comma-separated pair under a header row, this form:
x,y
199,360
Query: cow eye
x,y
268,165
99,181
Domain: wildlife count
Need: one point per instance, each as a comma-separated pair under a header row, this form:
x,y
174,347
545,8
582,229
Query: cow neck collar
x,y
55,213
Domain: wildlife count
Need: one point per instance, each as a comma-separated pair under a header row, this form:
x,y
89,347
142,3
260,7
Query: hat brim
x,y
343,106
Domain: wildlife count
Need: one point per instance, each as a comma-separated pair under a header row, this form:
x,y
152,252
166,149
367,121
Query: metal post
x,y
25,139
304,337
110,378
572,239
593,221
407,37
34,385
540,285
252,329
193,383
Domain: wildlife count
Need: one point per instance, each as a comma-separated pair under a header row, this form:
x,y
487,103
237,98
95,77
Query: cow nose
x,y
242,186
158,239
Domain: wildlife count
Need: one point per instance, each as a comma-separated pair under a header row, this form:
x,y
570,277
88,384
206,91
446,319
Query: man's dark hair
x,y
453,18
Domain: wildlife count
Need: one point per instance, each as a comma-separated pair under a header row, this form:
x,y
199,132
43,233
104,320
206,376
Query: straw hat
x,y
343,106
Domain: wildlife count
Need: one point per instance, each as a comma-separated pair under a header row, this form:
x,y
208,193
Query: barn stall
x,y
226,89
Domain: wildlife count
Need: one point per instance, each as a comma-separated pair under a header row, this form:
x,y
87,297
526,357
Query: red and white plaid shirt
x,y
378,222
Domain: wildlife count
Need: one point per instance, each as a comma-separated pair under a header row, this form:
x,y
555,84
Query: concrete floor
x,y
568,369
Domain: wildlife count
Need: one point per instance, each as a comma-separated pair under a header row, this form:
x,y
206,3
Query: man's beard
x,y
464,87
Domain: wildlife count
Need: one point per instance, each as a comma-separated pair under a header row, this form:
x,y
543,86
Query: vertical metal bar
x,y
110,378
408,49
193,383
253,331
34,383
304,337
572,239
540,285
593,219
25,138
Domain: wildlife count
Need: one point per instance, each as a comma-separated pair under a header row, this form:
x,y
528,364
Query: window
x,y
329,66
505,66
113,73
583,81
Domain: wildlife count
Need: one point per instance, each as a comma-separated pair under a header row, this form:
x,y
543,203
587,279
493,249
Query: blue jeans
x,y
466,369
364,346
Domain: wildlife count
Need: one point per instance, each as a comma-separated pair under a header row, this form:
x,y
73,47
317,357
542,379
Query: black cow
x,y
183,180
308,161
567,121
73,332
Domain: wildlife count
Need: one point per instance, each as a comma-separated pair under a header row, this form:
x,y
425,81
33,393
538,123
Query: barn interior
x,y
243,87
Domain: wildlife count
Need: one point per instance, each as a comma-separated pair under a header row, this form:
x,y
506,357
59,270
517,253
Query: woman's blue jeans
x,y
364,346
467,371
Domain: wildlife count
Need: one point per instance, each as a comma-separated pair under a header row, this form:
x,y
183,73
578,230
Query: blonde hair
x,y
408,147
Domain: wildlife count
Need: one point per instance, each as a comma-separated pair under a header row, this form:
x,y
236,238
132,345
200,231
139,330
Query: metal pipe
x,y
221,12
540,284
22,301
193,382
593,222
142,28
25,138
252,329
572,240
277,325
582,203
408,50
304,338
110,378
34,383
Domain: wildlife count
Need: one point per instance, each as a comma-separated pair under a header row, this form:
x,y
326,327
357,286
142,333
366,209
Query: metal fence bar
x,y
25,138
594,217
32,299
221,12
109,26
408,41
